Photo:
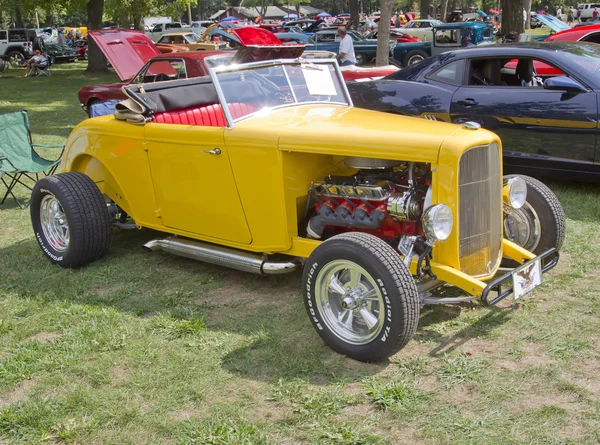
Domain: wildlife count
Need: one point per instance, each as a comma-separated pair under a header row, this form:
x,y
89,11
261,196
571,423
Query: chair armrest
x,y
4,158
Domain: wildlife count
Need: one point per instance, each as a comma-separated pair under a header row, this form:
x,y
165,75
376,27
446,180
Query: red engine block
x,y
389,229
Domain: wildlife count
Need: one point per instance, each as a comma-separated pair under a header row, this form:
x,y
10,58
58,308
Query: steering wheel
x,y
161,77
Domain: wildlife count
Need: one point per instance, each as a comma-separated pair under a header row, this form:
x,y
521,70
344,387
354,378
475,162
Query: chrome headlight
x,y
514,193
437,222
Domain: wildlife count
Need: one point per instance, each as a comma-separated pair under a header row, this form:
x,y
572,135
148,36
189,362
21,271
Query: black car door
x,y
539,128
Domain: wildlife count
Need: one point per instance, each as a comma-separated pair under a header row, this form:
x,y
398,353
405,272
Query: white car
x,y
587,10
423,29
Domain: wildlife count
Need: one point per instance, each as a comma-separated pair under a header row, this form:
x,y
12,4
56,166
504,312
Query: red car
x,y
137,60
396,35
589,33
81,48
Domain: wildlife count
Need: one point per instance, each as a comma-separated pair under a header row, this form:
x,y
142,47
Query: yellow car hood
x,y
335,129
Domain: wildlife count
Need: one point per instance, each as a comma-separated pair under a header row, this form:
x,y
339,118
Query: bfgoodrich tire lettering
x,y
84,208
398,313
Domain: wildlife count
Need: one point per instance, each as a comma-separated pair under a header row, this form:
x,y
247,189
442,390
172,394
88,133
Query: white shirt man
x,y
346,52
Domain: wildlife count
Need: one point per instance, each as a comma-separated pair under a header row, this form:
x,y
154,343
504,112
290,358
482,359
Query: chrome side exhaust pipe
x,y
222,256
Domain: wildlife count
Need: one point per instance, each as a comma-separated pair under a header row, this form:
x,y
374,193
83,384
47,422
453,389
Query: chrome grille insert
x,y
480,210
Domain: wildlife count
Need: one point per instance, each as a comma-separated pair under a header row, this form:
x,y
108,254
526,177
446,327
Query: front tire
x,y
360,297
415,56
361,59
70,219
540,224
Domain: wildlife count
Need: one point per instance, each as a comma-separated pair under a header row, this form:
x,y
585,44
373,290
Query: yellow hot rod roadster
x,y
266,167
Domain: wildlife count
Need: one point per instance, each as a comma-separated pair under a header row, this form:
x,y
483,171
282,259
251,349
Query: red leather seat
x,y
208,116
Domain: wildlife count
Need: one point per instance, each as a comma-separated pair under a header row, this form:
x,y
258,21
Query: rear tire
x,y
70,219
15,58
360,297
540,224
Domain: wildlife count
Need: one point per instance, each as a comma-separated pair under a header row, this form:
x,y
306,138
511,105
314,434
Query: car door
x,y
3,42
194,185
539,128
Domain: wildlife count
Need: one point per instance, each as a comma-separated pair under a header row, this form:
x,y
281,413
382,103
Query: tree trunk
x,y
527,6
424,9
354,19
443,10
96,64
18,18
383,33
512,16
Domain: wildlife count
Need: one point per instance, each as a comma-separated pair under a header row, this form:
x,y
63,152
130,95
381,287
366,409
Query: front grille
x,y
480,210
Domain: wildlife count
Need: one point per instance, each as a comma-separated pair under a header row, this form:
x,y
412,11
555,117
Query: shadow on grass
x,y
268,312
448,343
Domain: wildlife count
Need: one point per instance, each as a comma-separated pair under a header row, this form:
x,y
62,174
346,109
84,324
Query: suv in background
x,y
587,10
16,45
159,29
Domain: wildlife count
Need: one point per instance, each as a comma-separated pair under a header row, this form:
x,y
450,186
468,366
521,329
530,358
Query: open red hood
x,y
126,50
260,44
250,35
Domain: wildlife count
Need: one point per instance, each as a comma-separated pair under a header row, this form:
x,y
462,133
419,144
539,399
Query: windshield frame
x,y
215,70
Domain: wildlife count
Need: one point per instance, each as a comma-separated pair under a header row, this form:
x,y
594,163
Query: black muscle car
x,y
540,98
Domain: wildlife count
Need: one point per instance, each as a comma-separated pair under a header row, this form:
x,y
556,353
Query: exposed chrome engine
x,y
384,198
381,197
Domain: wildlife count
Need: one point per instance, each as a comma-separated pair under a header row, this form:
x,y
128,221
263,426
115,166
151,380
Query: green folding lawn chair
x,y
19,161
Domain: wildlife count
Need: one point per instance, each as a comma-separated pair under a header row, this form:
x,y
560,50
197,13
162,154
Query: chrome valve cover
x,y
379,191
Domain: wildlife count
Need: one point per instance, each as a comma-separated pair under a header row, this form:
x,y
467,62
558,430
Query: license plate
x,y
527,277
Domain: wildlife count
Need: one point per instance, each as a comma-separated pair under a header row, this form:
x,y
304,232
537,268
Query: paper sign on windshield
x,y
318,80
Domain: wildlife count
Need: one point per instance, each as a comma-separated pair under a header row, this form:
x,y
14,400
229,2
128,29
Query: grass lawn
x,y
147,348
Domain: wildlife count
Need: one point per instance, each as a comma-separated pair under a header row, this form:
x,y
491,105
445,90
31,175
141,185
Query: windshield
x,y
192,37
586,56
252,89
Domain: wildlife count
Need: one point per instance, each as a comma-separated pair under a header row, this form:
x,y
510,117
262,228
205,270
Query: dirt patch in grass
x,y
533,357
185,413
103,290
44,337
407,436
530,401
19,394
585,374
119,374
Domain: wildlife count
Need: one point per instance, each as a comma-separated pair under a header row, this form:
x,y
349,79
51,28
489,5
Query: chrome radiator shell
x,y
480,210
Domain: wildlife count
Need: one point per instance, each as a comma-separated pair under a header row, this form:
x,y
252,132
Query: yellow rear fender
x,y
104,179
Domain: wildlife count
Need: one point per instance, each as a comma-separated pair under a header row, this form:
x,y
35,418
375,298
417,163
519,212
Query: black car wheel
x,y
70,219
15,58
360,59
540,224
415,56
360,297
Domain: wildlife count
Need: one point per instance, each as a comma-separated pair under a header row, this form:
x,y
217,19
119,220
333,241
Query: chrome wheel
x,y
54,223
350,302
522,226
415,59
15,59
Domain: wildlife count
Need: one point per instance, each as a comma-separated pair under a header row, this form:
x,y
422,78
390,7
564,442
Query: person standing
x,y
559,13
346,52
570,16
595,13
578,15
